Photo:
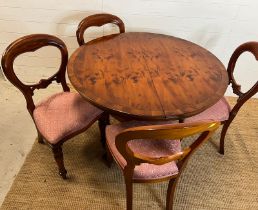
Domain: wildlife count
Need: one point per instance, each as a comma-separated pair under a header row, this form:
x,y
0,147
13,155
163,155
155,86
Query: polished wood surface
x,y
251,47
97,20
147,76
159,133
31,43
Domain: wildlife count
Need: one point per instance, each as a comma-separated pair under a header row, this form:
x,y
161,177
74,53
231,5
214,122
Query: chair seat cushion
x,y
218,112
147,147
63,114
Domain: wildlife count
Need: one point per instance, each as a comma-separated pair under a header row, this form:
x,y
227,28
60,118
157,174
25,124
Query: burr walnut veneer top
x,y
147,76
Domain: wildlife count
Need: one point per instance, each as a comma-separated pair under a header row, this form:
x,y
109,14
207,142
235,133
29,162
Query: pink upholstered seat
x,y
218,112
63,114
155,148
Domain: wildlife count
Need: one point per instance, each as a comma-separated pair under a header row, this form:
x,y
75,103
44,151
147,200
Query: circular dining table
x,y
147,76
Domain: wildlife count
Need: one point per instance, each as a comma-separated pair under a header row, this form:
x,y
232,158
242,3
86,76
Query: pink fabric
x,y
218,112
63,114
151,148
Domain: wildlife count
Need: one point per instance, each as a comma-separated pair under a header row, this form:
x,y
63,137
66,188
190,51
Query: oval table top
x,y
147,76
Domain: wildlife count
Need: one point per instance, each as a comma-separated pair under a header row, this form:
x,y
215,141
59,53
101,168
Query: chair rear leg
x,y
225,129
58,155
129,193
128,176
222,136
170,194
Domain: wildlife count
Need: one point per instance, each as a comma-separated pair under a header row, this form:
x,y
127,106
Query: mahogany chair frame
x,y
97,20
155,133
251,47
32,43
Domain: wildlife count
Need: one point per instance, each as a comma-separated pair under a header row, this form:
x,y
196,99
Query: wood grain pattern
x,y
251,47
147,76
97,20
158,133
161,132
31,43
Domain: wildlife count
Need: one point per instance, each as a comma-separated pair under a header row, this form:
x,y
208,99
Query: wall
x,y
218,25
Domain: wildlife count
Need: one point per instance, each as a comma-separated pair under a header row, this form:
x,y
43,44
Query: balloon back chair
x,y
97,20
222,111
153,153
61,116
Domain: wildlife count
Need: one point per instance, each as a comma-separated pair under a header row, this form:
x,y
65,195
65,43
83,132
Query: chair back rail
x,y
161,132
251,47
97,20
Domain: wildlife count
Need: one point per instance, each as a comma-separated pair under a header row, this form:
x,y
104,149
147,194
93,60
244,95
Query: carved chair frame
x,y
32,43
155,133
97,20
251,47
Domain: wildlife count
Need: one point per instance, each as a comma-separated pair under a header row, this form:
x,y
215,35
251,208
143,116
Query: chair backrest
x,y
32,43
251,47
161,132
97,20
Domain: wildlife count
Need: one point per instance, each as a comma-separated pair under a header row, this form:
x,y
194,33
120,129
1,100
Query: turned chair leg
x,y
170,194
58,155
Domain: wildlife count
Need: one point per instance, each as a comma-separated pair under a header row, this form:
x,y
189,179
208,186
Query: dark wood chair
x,y
97,20
153,153
222,111
61,116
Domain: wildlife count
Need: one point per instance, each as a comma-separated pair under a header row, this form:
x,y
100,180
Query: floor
x,y
17,132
